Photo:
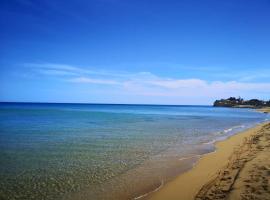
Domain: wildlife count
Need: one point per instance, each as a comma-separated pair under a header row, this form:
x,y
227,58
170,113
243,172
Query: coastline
x,y
264,110
190,185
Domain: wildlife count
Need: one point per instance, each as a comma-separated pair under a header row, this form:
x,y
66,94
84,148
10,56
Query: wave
x,y
233,128
223,134
189,157
155,190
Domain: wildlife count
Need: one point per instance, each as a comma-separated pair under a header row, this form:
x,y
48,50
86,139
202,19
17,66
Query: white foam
x,y
185,158
146,194
210,142
227,130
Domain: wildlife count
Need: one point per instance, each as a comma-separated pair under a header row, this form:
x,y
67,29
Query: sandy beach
x,y
238,169
265,110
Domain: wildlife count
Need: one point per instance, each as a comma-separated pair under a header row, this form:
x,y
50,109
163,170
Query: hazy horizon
x,y
100,103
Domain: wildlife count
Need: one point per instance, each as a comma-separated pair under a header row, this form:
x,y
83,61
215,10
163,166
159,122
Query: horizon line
x,y
139,104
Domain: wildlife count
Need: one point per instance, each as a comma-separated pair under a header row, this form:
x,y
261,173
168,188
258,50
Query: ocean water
x,y
102,151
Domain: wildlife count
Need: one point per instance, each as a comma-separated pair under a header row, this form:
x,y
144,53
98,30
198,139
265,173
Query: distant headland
x,y
241,103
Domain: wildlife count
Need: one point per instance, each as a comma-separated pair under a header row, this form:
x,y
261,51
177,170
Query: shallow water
x,y
55,151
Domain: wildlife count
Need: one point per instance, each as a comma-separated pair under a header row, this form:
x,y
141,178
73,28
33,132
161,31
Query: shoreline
x,y
196,158
206,168
161,148
264,110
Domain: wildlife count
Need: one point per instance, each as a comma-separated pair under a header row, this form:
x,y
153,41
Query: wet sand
x,y
265,110
238,169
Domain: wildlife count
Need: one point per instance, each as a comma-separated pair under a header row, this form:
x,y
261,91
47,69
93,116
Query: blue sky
x,y
134,51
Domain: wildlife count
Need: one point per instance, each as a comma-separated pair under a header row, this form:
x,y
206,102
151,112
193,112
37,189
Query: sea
x,y
56,151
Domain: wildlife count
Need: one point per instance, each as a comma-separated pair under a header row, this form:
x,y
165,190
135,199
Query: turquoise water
x,y
58,151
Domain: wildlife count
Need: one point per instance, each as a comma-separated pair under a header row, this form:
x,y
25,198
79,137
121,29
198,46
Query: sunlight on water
x,y
52,150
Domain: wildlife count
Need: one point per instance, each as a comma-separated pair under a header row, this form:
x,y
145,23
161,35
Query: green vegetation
x,y
241,103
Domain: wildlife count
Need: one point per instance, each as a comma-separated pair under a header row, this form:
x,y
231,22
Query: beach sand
x,y
265,110
238,169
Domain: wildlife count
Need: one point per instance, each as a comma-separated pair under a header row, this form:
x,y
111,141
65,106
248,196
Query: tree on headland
x,y
240,102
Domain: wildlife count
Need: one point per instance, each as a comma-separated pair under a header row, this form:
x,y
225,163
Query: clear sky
x,y
134,51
